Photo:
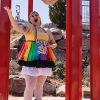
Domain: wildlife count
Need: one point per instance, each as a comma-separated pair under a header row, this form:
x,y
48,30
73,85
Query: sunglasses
x,y
34,14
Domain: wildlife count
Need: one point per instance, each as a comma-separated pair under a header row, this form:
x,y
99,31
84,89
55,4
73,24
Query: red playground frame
x,y
74,45
74,49
4,47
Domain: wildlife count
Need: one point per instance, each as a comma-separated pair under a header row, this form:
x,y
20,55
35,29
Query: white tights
x,y
34,84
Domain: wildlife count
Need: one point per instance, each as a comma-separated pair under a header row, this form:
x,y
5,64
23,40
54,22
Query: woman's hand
x,y
14,24
51,41
52,45
6,8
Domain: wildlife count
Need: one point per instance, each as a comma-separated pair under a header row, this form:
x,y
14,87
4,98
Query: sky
x,y
43,10
38,6
85,12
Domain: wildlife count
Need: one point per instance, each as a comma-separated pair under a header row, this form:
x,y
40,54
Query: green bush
x,y
59,70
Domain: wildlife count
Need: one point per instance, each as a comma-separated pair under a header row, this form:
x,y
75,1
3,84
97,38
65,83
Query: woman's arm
x,y
52,43
14,24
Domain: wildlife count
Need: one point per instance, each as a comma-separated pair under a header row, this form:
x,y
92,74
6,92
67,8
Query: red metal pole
x,y
74,51
68,49
95,48
4,50
30,6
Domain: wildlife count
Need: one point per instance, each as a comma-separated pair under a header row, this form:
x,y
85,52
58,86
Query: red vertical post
x,y
74,50
67,49
95,48
4,50
30,6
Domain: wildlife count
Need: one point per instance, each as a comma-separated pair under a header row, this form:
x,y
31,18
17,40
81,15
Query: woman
x,y
37,59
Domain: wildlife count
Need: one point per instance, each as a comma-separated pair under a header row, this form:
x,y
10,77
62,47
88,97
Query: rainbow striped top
x,y
40,36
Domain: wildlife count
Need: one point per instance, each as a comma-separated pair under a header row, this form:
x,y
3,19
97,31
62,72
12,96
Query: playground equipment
x,y
74,45
95,48
4,50
50,2
4,47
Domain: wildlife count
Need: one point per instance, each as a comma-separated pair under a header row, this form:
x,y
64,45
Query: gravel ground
x,y
44,98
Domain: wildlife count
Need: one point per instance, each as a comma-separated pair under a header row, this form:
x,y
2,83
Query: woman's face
x,y
35,19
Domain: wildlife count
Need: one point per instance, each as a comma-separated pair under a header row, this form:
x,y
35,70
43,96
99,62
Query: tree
x,y
57,14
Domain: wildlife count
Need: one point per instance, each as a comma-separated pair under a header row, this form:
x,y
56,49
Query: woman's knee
x,y
30,83
30,87
40,81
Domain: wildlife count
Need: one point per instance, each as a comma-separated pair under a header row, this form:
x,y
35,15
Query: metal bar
x,y
74,50
30,6
4,50
68,50
95,48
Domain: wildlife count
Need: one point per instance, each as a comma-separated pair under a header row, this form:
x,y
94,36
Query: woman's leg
x,y
38,92
30,86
